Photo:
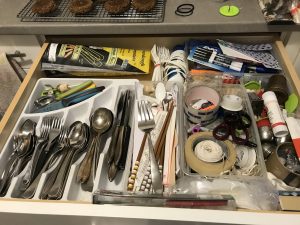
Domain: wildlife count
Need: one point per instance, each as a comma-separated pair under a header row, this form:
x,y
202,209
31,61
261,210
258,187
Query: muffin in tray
x,y
81,6
44,6
117,6
143,5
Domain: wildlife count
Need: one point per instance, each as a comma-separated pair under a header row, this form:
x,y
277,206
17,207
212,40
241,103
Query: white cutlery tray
x,y
78,112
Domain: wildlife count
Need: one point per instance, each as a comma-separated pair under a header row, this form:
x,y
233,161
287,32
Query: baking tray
x,y
98,14
78,112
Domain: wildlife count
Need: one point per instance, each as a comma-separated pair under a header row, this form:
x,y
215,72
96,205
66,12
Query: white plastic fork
x,y
146,123
157,73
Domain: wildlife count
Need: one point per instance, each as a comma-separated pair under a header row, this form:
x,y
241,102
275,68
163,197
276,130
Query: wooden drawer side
x,y
18,102
288,67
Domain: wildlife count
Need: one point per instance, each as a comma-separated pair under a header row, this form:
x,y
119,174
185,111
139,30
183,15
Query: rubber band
x,y
185,10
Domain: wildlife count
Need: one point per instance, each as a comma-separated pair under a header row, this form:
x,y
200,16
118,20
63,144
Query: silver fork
x,y
54,131
30,191
45,127
146,123
55,165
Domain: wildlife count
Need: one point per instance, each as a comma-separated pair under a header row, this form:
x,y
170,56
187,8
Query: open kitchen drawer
x,y
53,212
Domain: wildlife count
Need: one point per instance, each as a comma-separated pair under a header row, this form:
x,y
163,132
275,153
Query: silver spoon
x,y
53,174
76,140
101,122
20,149
27,130
28,127
24,146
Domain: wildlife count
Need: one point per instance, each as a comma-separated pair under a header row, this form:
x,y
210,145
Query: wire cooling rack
x,y
98,14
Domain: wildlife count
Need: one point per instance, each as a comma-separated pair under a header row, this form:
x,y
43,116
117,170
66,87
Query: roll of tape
x,y
204,119
275,165
206,168
194,120
201,92
246,157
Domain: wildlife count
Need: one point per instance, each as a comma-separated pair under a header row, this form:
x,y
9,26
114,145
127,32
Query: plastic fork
x,y
157,73
146,123
164,54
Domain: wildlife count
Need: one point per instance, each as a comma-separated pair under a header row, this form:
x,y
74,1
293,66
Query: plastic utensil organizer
x,y
79,112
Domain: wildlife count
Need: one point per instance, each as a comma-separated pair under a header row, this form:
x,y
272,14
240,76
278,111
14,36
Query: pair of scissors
x,y
233,124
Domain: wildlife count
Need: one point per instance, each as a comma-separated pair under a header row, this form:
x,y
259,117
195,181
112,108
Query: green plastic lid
x,y
252,85
292,103
229,10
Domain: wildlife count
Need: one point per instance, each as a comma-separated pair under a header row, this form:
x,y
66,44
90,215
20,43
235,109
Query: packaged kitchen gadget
x,y
79,60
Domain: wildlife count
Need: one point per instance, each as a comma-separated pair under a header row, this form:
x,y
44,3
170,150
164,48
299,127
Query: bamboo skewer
x,y
158,149
135,168
162,136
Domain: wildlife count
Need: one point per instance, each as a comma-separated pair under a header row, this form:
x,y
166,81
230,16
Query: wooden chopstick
x,y
162,135
162,155
142,148
136,164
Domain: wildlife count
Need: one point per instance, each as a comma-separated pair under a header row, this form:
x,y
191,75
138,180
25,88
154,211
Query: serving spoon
x,y
101,121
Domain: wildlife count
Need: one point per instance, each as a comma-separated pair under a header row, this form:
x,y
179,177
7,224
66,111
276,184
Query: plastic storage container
x,y
216,83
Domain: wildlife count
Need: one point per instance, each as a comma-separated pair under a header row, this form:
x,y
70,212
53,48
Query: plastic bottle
x,y
274,113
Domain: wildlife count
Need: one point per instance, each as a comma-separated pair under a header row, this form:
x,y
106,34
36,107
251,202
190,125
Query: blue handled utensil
x,y
71,100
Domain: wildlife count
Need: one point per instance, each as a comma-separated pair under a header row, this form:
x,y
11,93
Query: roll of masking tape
x,y
198,95
208,168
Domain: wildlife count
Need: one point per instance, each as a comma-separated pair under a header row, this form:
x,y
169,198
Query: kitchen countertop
x,y
205,19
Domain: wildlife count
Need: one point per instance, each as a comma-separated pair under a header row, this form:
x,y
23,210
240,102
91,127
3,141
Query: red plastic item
x,y
263,123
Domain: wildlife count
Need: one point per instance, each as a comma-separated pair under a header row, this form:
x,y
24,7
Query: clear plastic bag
x,y
255,194
277,11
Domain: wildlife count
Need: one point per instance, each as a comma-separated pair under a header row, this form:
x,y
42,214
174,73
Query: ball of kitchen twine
x,y
209,151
